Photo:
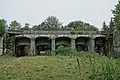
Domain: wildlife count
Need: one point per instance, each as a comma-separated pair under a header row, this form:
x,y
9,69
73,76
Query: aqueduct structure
x,y
29,42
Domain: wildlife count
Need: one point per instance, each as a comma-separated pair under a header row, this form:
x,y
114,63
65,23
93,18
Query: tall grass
x,y
108,68
66,65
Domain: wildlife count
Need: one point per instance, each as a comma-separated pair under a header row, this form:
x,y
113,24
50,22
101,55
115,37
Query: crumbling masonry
x,y
29,42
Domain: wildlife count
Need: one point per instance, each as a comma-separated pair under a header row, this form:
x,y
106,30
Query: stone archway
x,y
82,43
42,44
100,44
62,41
22,46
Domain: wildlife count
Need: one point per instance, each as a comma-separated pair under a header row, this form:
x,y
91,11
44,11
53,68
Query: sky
x,y
36,11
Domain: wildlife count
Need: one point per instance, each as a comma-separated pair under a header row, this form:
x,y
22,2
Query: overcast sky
x,y
36,11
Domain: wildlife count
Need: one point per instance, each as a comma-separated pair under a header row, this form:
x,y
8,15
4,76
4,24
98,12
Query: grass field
x,y
91,67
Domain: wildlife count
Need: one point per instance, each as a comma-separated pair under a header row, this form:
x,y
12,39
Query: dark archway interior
x,y
82,47
42,44
62,41
100,45
82,43
22,45
22,50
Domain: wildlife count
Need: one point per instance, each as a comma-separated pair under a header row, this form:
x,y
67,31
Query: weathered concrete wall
x,y
54,38
1,45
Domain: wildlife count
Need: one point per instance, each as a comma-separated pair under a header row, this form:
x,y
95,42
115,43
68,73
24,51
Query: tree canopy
x,y
26,26
105,27
15,25
116,16
51,23
2,27
81,25
112,30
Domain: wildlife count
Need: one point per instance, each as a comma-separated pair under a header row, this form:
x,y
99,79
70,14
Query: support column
x,y
1,45
32,47
53,44
92,45
73,44
89,45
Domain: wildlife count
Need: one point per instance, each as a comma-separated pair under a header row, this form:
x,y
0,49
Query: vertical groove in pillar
x,y
73,44
53,45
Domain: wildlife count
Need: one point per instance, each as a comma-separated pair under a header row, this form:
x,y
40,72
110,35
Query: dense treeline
x,y
51,22
112,30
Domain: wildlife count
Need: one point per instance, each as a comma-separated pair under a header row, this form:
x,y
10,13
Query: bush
x,y
64,51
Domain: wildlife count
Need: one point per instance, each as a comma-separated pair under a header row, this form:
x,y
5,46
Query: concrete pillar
x,y
92,45
32,47
89,45
73,44
53,44
1,45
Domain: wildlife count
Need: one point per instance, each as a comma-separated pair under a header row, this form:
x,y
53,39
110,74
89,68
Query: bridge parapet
x,y
52,32
56,36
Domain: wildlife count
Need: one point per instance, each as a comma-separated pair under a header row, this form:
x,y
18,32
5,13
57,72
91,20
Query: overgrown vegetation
x,y
91,67
112,32
64,51
2,27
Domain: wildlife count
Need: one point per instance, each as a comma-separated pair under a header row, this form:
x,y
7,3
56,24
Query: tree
x,y
105,27
36,27
51,23
76,25
110,36
26,27
111,26
15,25
116,29
108,30
2,27
116,14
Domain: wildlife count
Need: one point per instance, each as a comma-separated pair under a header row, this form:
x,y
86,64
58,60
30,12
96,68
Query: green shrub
x,y
64,51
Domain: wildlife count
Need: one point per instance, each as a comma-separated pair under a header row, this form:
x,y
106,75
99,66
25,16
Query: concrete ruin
x,y
29,42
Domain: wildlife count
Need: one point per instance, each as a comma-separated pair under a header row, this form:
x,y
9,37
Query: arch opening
x,y
62,41
43,44
100,44
22,46
82,43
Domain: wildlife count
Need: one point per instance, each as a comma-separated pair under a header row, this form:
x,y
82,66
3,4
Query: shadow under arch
x,y
62,41
82,43
100,44
42,44
22,46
